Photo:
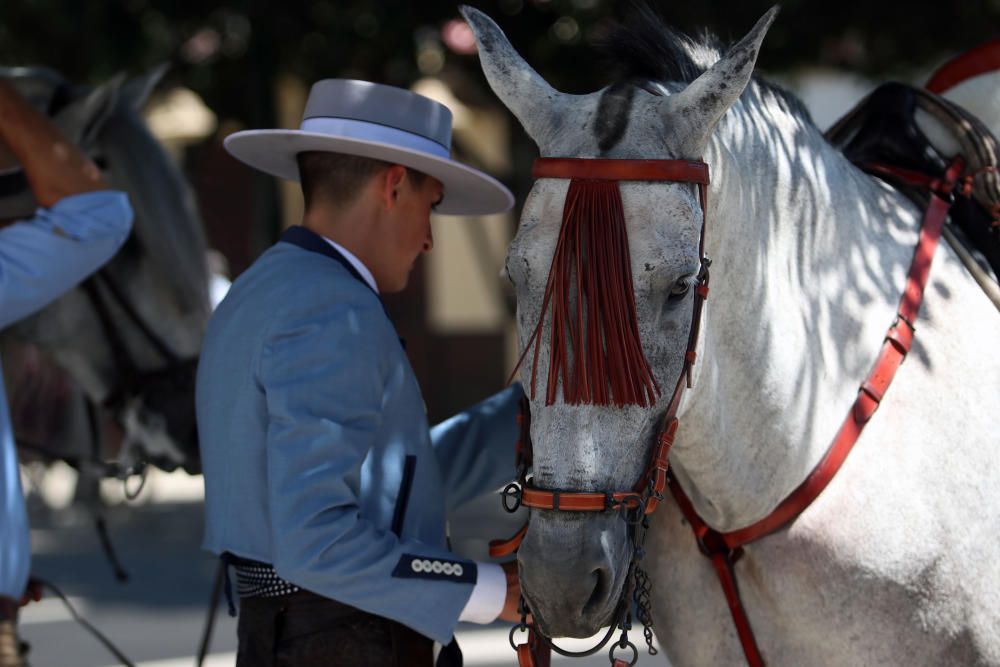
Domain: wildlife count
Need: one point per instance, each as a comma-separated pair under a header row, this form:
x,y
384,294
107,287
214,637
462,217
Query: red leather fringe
x,y
593,315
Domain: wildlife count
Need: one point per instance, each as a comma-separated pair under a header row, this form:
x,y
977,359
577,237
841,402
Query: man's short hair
x,y
339,178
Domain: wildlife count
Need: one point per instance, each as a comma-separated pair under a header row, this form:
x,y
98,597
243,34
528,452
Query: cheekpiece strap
x,y
647,493
596,169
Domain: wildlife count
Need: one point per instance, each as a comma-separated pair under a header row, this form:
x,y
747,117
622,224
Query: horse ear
x,y
82,120
537,105
700,106
136,91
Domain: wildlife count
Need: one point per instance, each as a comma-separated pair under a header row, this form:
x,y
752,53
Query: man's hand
x,y
55,168
33,593
510,612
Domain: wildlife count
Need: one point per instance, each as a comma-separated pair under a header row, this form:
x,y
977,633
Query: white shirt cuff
x,y
488,595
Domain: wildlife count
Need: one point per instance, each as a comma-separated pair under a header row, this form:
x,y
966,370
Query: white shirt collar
x,y
356,263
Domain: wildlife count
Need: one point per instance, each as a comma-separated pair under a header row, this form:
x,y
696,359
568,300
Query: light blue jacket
x,y
40,259
316,450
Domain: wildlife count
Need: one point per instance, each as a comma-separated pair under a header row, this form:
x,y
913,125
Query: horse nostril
x,y
598,598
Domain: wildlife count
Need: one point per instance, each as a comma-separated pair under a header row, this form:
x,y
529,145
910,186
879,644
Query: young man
x,y
324,486
78,225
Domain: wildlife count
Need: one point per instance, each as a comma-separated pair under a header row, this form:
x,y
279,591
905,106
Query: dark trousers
x,y
306,630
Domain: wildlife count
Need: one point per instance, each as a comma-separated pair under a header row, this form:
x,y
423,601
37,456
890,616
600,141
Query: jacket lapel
x,y
313,242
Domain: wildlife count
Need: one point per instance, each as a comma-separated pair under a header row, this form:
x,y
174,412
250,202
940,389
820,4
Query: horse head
x,y
575,566
129,336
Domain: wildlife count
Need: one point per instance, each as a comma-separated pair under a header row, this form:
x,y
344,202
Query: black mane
x,y
644,48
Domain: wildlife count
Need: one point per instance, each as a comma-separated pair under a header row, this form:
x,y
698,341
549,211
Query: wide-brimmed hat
x,y
381,122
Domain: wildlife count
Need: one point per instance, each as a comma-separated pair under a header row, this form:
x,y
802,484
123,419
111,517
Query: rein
x,y
642,499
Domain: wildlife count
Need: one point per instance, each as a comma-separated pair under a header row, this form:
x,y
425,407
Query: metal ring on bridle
x,y
142,473
633,509
512,490
635,652
522,628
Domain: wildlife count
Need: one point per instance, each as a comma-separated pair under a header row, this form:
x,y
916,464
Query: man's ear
x,y
391,182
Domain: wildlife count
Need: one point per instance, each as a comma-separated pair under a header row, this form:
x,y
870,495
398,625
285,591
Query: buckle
x,y
706,263
512,490
652,494
623,645
632,506
711,543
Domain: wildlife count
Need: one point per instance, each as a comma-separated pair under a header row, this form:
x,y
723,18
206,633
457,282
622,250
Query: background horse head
x,y
129,335
809,260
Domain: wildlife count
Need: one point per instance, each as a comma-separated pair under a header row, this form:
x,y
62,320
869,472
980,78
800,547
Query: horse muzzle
x,y
572,575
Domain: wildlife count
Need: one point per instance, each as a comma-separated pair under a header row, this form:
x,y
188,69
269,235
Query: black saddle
x,y
882,129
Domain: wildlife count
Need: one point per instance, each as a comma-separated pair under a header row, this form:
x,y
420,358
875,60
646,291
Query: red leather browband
x,y
596,169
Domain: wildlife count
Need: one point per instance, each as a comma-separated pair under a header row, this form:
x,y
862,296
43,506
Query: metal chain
x,y
638,523
643,612
642,593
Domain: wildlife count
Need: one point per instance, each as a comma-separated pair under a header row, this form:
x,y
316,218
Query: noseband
x,y
637,503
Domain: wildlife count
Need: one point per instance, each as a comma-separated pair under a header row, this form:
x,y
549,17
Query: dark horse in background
x,y
103,378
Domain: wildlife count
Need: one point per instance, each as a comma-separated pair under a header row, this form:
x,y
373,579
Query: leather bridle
x,y
637,503
647,492
723,549
176,374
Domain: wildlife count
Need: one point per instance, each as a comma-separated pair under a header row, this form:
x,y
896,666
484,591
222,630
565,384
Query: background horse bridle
x,y
176,374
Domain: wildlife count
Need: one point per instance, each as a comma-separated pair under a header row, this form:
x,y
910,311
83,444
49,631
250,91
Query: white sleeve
x,y
488,595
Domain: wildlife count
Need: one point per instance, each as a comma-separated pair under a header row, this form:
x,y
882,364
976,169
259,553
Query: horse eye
x,y
679,289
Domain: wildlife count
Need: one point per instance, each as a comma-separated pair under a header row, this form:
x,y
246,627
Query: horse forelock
x,y
613,111
644,49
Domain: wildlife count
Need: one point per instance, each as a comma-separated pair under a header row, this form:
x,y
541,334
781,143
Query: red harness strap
x,y
980,60
724,549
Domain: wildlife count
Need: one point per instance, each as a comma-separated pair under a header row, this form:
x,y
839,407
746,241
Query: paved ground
x,y
156,618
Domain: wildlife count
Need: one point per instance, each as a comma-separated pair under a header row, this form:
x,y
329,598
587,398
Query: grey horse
x,y
894,564
129,336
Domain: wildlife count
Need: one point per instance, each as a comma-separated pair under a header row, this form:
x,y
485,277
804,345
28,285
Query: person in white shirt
x,y
325,487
